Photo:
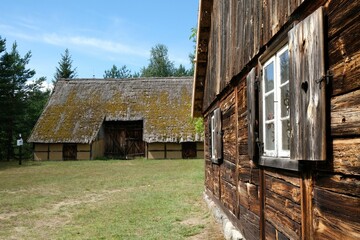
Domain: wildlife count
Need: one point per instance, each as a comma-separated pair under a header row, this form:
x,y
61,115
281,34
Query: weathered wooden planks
x,y
252,25
307,89
336,216
345,114
319,200
346,157
249,223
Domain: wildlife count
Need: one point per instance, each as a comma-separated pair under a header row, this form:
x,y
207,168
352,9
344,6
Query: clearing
x,y
134,199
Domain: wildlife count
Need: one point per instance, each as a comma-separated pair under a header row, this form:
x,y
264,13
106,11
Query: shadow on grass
x,y
15,164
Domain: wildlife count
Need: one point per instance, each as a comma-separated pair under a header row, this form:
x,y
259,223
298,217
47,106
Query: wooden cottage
x,y
96,118
278,84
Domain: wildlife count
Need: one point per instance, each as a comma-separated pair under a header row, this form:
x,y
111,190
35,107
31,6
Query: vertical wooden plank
x,y
48,152
237,207
218,46
262,204
217,144
251,108
306,189
307,89
219,134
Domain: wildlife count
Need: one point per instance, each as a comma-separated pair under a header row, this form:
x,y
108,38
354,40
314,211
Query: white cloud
x,y
79,42
8,30
100,44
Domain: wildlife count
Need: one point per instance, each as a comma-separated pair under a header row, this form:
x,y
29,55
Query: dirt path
x,y
212,229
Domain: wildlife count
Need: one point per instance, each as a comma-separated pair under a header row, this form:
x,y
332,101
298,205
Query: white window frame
x,y
278,152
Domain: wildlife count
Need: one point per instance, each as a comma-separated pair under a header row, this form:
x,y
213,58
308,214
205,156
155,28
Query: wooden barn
x,y
97,118
278,84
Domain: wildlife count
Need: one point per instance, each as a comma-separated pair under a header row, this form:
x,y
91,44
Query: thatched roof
x,y
77,109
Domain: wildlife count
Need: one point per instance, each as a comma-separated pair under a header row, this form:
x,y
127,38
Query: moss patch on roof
x,y
77,109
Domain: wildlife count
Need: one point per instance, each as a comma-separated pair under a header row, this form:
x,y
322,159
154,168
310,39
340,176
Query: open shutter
x,y
218,137
209,137
251,112
307,89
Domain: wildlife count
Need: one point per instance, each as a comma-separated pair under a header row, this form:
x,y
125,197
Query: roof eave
x,y
203,35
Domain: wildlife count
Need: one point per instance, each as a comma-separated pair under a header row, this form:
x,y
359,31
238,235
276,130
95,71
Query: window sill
x,y
281,163
216,161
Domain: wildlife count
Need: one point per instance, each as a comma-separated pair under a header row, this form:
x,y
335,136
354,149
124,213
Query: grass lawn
x,y
136,199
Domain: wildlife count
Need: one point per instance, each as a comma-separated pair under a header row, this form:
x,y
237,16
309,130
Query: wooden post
x,y
20,159
237,209
262,203
306,189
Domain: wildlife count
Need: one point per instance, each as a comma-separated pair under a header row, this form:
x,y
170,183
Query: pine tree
x,y
120,73
65,69
13,78
181,71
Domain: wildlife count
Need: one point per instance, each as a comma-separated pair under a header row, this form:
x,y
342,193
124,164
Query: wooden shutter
x,y
218,137
251,112
210,136
307,89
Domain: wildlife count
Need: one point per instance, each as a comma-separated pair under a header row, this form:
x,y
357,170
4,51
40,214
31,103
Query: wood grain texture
x,y
251,110
307,91
336,216
345,114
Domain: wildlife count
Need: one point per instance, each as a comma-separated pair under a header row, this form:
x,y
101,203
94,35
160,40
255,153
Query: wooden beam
x,y
306,189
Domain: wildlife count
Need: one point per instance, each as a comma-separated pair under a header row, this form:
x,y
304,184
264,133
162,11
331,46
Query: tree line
x,y
159,66
21,103
22,100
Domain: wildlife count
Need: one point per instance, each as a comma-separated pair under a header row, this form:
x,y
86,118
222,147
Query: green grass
x,y
137,199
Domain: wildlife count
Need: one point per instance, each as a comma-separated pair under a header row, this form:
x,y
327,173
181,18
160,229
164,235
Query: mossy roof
x,y
77,109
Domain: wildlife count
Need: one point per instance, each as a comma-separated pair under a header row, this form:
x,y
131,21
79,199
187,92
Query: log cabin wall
x,y
322,200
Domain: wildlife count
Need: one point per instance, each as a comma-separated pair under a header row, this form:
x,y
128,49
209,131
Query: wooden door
x,y
189,150
123,139
69,151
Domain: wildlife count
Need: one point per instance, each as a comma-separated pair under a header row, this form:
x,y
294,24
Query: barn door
x,y
69,151
134,144
123,139
114,140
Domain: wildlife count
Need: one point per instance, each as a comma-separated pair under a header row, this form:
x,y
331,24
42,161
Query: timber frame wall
x,y
320,201
54,151
170,150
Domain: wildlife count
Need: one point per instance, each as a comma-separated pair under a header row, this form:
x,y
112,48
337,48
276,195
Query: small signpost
x,y
19,143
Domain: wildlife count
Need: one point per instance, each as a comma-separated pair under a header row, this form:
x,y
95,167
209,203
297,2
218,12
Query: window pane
x,y
285,101
269,77
284,66
269,136
269,107
286,135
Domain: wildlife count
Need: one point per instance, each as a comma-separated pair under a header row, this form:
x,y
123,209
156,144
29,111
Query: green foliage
x,y
181,71
193,37
65,69
160,65
20,103
199,125
121,73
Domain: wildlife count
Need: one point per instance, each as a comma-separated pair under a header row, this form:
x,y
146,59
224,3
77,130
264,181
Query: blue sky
x,y
98,34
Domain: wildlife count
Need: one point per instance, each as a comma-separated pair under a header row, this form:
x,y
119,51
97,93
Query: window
x,y
286,97
216,137
276,109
